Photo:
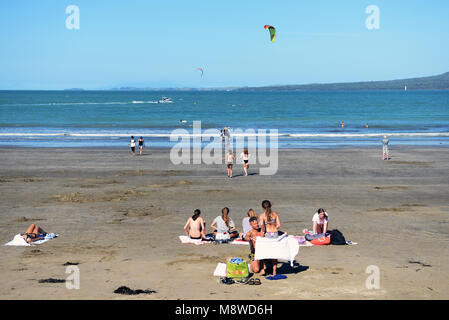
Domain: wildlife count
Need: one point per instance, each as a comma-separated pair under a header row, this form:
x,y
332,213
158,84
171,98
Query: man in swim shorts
x,y
132,145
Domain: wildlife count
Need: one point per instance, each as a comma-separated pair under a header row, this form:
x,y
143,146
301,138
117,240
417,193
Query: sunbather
x,y
196,226
224,227
34,233
256,265
270,224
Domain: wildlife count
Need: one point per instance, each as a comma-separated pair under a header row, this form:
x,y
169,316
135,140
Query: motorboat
x,y
165,100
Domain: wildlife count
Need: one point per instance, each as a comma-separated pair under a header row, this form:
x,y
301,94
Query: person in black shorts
x,y
132,145
141,144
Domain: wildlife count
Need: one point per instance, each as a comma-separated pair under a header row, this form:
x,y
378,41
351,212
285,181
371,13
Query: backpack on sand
x,y
337,237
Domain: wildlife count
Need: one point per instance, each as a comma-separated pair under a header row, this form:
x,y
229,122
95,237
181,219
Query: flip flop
x,y
257,282
250,282
276,277
226,280
243,281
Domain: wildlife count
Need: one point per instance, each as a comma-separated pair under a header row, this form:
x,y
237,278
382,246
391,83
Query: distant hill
x,y
439,82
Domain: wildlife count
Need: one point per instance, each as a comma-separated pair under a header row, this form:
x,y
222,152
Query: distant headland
x,y
438,82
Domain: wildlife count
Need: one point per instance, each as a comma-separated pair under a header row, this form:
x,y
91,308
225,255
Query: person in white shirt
x,y
132,144
320,221
246,226
224,227
245,156
385,142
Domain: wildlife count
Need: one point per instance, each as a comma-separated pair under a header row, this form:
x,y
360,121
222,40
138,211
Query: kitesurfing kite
x,y
272,32
202,71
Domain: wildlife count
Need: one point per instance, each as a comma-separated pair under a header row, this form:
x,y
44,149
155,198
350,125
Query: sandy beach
x,y
119,218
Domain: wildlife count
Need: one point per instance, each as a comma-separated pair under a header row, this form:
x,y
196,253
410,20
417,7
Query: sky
x,y
153,43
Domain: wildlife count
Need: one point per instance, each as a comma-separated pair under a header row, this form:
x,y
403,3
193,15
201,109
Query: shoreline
x,y
109,148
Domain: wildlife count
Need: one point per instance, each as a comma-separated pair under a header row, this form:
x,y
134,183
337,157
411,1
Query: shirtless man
x,y
251,236
195,227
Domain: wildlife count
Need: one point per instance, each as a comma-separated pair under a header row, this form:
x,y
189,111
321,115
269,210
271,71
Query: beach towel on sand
x,y
186,239
240,241
20,241
284,248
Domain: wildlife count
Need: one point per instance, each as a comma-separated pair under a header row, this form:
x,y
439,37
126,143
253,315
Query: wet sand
x,y
119,218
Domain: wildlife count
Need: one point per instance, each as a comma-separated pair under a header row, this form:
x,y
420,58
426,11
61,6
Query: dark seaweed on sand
x,y
51,280
126,290
68,263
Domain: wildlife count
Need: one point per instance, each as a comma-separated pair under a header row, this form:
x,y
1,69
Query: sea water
x,y
303,119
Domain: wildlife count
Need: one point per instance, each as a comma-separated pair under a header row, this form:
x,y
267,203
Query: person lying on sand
x,y
256,265
34,233
196,226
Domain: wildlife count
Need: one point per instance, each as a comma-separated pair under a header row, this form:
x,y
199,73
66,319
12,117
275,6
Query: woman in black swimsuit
x,y
141,144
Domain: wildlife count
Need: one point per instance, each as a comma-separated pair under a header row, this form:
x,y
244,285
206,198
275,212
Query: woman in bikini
x,y
270,224
34,233
195,227
245,156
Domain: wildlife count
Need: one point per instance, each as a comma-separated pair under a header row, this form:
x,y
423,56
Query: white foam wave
x,y
194,135
75,103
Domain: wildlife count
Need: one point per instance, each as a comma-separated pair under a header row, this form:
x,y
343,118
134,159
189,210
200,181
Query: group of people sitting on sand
x,y
267,224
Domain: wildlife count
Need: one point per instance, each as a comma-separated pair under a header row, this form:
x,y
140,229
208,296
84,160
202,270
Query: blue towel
x,y
276,277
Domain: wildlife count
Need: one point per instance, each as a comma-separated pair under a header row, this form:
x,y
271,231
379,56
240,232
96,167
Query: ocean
x,y
302,119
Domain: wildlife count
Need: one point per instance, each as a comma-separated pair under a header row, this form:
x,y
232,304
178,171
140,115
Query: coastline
x,y
119,217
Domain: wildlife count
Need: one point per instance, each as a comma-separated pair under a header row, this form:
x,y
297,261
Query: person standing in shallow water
x,y
132,145
385,142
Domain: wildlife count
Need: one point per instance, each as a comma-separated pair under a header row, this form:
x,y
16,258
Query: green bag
x,y
237,270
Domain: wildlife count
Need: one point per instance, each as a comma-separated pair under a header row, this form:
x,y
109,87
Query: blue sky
x,y
161,43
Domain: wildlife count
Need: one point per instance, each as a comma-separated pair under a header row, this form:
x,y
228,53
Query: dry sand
x,y
119,217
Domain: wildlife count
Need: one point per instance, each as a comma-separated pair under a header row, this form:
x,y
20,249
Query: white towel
x,y
220,270
187,239
283,248
240,242
17,241
20,241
